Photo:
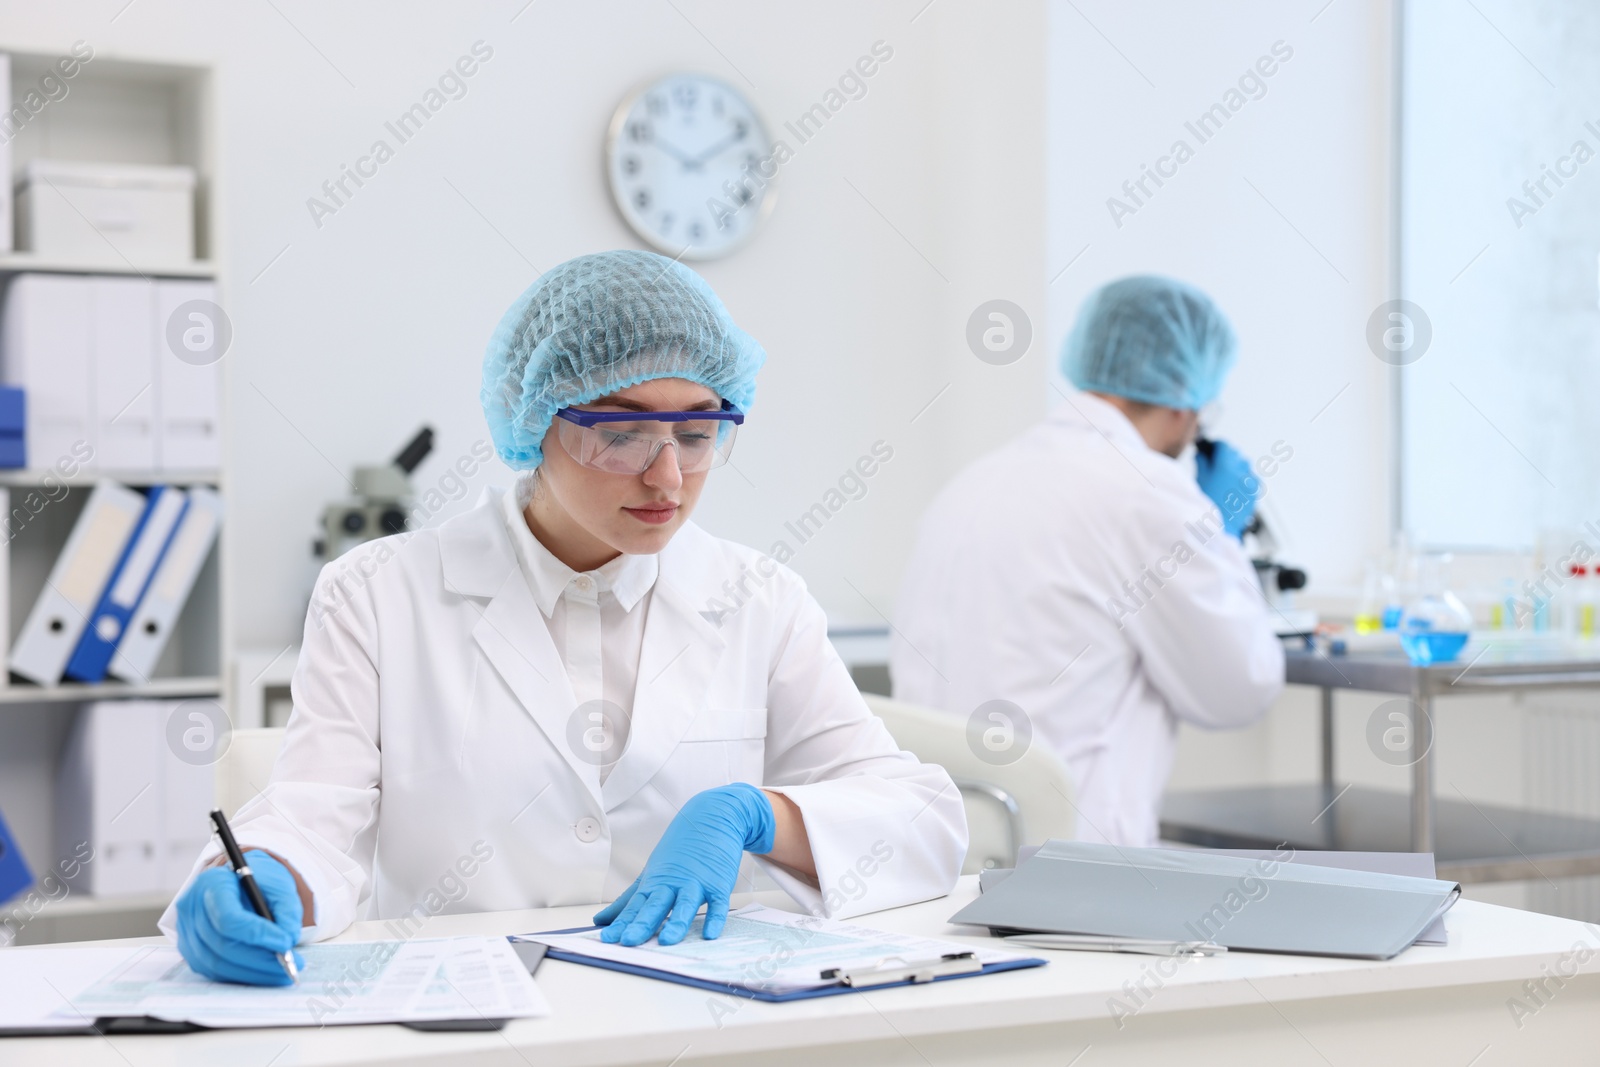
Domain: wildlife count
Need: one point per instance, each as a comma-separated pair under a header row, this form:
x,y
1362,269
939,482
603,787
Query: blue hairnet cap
x,y
1150,339
603,322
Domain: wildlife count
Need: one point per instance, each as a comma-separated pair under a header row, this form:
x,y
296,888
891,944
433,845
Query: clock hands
x,y
715,136
689,163
716,149
695,162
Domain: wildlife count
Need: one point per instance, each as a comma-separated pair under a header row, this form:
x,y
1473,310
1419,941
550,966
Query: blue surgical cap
x,y
603,322
1150,339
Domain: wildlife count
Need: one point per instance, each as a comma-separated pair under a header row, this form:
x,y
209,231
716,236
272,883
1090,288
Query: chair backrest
x,y
1008,806
244,768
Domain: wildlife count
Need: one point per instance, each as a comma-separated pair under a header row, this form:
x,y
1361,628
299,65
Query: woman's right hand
x,y
222,937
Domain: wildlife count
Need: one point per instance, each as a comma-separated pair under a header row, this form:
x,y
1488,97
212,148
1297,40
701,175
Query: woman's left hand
x,y
696,862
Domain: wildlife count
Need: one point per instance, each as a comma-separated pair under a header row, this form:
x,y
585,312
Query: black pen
x,y
251,890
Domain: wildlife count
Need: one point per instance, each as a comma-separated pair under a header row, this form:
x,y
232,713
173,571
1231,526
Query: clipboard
x,y
123,1025
531,955
763,995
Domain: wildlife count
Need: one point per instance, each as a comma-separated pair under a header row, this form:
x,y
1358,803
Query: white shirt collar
x,y
628,577
1078,408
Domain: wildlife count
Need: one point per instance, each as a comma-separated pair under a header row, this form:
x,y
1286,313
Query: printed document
x,y
766,950
342,983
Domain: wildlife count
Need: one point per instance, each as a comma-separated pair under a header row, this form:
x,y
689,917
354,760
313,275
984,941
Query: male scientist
x,y
1083,574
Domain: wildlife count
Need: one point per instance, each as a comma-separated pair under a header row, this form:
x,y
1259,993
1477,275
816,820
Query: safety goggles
x,y
628,442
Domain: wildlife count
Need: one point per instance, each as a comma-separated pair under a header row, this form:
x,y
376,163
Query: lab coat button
x,y
587,830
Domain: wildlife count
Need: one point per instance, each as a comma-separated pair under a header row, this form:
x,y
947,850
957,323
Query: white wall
x,y
1280,216
910,207
915,203
361,330
967,173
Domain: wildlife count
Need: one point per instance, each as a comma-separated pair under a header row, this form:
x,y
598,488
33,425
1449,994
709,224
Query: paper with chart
x,y
770,951
342,983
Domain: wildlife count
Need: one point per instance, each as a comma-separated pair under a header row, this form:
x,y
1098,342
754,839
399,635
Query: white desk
x,y
1440,1005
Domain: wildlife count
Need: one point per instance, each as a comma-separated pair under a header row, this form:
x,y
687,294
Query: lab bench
x,y
1472,841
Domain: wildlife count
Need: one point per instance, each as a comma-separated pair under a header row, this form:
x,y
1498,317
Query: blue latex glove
x,y
222,937
1225,476
695,862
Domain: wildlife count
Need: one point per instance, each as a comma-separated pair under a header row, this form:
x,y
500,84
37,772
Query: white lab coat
x,y
432,763
1015,590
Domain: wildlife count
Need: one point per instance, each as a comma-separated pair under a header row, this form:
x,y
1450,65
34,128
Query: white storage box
x,y
113,213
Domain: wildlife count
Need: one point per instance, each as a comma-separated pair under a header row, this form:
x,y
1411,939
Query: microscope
x,y
1279,583
381,504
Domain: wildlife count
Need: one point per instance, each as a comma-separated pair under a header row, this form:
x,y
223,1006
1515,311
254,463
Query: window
x,y
1500,251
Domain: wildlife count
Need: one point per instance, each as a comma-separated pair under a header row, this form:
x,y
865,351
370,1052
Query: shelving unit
x,y
27,262
83,918
120,111
79,692
26,478
192,661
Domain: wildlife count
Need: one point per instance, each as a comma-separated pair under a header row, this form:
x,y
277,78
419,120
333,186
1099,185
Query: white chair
x,y
244,768
1007,807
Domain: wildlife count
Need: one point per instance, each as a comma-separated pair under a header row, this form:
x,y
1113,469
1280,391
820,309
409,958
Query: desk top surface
x,y
1486,662
601,1017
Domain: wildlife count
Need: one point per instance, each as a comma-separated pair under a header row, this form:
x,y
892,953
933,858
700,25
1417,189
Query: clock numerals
x,y
686,157
731,222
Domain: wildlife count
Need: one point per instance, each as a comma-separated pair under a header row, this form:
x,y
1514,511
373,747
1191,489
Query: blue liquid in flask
x,y
1426,647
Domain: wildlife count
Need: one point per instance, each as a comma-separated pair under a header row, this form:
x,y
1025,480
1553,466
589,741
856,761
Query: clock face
x,y
691,166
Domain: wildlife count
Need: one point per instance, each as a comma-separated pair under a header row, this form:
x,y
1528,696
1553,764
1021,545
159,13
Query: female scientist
x,y
546,701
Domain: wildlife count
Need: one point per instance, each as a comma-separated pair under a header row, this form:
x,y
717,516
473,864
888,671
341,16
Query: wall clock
x,y
690,165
